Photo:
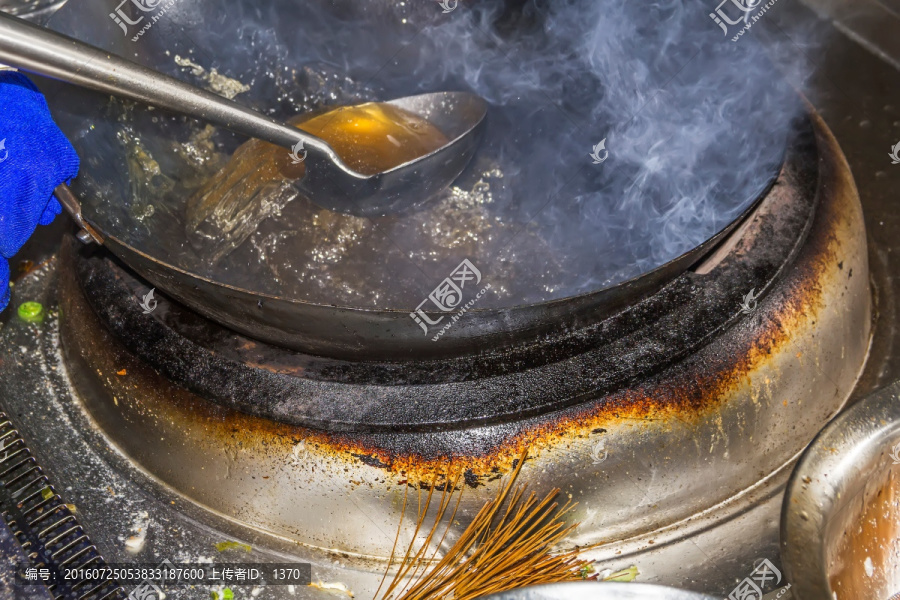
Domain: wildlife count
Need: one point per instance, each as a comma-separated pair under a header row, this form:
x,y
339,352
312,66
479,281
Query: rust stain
x,y
24,268
683,393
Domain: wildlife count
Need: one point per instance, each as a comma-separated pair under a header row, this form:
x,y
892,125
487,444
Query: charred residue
x,y
643,388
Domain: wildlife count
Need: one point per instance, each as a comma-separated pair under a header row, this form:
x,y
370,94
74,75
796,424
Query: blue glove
x,y
35,157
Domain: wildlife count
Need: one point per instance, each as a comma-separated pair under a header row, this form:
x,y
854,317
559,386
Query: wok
x,y
348,332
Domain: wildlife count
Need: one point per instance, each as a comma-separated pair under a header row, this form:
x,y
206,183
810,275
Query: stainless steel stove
x,y
154,428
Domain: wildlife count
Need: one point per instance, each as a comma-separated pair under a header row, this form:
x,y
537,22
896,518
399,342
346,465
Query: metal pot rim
x,y
852,450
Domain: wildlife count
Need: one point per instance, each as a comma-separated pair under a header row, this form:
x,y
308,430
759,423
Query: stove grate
x,y
44,525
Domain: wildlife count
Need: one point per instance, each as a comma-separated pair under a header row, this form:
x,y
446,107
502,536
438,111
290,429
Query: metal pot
x,y
155,246
841,518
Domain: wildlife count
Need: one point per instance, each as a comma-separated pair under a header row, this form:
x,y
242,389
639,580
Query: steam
x,y
695,124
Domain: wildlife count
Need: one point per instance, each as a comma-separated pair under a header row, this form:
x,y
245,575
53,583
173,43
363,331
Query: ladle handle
x,y
44,52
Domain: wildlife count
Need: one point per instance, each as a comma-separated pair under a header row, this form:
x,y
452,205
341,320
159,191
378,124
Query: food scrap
x,y
332,587
139,528
220,84
231,545
31,312
625,575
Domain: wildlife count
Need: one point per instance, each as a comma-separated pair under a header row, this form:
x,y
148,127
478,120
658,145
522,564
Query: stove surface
x,y
860,101
114,500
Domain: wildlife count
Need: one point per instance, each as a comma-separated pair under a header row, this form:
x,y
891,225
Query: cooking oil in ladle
x,y
375,136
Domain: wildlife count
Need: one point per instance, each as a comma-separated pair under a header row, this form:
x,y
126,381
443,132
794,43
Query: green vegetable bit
x,y
629,574
586,571
223,546
225,594
46,493
32,312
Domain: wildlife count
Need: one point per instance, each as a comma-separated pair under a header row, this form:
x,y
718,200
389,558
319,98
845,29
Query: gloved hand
x,y
35,157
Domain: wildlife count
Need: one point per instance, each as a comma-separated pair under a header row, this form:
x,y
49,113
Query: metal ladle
x,y
328,182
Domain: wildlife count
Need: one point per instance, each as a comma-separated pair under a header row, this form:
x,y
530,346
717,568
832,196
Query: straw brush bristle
x,y
509,544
